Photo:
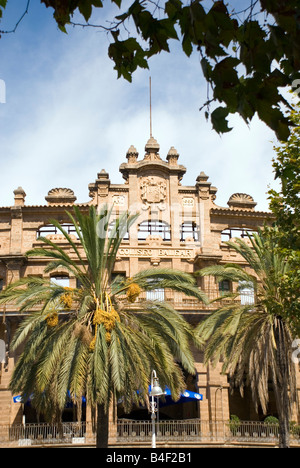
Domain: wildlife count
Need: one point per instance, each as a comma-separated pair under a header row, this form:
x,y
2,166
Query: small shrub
x,y
295,428
271,420
234,423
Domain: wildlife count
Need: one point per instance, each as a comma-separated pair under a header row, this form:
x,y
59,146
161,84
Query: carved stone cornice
x,y
241,213
13,261
16,212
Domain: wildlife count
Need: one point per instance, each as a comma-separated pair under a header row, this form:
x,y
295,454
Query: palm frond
x,y
227,272
152,275
60,358
246,338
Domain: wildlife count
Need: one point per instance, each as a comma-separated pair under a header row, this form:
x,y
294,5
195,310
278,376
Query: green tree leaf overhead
x,y
285,204
247,53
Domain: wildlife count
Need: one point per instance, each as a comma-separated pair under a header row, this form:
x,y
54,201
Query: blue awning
x,y
69,403
17,399
186,396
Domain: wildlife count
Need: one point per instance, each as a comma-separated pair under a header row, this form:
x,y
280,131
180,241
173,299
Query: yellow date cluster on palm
x,y
108,319
67,298
133,292
52,319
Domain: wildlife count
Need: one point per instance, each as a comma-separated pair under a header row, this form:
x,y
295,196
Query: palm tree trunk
x,y
282,403
282,387
102,427
284,433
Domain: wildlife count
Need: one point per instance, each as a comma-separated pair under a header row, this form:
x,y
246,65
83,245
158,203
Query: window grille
x,y
241,233
155,295
224,287
189,229
43,231
247,293
148,228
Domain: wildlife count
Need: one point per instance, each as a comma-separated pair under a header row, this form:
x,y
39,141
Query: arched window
x,y
120,231
47,229
224,287
61,280
241,233
160,228
189,229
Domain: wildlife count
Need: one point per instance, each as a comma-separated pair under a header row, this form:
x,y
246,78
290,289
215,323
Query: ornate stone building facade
x,y
179,227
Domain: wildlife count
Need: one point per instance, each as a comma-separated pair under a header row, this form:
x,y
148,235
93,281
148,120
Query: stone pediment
x,y
60,196
241,201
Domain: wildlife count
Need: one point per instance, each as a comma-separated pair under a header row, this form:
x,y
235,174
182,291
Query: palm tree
x,y
89,340
255,339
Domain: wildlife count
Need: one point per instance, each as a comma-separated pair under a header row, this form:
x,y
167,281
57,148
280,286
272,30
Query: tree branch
x,y
18,22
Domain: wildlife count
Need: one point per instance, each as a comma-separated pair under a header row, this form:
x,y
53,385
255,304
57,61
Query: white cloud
x,y
67,117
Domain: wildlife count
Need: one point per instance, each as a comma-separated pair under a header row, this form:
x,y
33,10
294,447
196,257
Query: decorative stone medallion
x,y
153,191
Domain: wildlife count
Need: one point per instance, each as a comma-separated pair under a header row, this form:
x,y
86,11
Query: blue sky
x,y
67,116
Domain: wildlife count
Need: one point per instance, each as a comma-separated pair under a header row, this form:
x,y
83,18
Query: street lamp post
x,y
156,391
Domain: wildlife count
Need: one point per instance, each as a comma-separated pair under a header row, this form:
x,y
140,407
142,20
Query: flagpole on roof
x,y
150,92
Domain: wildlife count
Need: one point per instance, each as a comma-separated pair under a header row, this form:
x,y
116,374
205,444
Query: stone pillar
x,y
201,372
218,389
214,408
90,425
20,196
204,413
113,426
206,195
14,266
16,233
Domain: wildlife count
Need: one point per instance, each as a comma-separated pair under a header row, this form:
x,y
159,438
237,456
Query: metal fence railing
x,y
133,431
44,434
197,430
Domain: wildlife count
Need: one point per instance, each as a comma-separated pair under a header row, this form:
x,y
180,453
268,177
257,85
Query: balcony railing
x,y
186,432
182,302
178,300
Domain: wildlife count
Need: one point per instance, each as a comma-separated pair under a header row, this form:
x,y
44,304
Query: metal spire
x,y
150,107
